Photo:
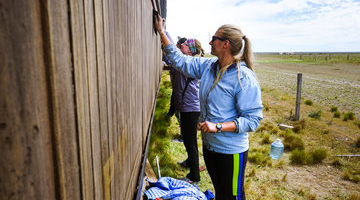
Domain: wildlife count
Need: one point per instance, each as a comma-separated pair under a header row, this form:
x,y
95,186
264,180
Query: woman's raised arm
x,y
159,27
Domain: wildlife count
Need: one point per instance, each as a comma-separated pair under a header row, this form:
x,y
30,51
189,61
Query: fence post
x,y
298,96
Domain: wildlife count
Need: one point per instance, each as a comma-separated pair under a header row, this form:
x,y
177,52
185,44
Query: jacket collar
x,y
214,67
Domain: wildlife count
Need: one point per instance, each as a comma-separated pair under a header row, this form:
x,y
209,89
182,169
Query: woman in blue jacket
x,y
230,105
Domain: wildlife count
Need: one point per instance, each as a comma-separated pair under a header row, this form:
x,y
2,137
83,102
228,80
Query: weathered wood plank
x,y
82,97
106,160
56,36
116,88
123,74
113,23
26,154
109,181
93,92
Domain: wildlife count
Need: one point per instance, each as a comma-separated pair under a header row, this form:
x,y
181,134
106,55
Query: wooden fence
x,y
78,82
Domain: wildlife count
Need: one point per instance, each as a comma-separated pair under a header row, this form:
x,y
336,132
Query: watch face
x,y
218,126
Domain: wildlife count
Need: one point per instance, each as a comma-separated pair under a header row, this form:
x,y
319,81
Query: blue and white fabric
x,y
170,188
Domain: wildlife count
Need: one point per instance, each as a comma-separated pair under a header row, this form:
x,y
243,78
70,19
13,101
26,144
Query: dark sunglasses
x,y
217,38
184,43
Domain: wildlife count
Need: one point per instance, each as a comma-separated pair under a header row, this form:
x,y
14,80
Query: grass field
x,y
333,82
328,84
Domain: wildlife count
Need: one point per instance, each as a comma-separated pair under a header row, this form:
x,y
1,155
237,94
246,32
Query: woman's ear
x,y
226,44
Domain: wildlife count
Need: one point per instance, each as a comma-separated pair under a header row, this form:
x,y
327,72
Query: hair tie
x,y
244,37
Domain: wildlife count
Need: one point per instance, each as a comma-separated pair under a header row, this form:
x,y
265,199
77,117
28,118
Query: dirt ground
x,y
323,181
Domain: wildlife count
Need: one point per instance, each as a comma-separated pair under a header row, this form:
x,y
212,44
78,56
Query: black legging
x,y
221,168
188,123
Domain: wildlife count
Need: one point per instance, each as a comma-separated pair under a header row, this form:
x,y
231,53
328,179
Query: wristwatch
x,y
218,127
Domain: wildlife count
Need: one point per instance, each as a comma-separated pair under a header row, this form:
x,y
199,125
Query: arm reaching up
x,y
159,27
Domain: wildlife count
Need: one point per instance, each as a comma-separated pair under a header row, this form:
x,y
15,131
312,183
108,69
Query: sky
x,y
271,25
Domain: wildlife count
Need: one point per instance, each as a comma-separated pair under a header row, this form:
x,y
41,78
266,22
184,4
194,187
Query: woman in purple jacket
x,y
187,102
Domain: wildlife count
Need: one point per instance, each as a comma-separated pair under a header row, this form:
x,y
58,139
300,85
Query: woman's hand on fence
x,y
159,24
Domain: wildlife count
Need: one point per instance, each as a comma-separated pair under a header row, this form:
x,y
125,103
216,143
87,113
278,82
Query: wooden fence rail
x,y
78,81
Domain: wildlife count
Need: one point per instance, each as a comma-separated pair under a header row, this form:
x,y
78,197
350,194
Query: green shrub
x,y
356,179
299,125
308,102
337,114
297,143
349,116
333,108
259,159
266,106
266,139
297,128
302,123
292,142
351,176
274,130
286,132
260,129
298,157
315,114
267,126
316,156
337,162
357,143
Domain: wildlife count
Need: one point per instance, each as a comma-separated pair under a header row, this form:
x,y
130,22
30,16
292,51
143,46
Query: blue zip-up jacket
x,y
228,101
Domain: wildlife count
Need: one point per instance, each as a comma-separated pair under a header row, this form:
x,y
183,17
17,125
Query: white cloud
x,y
285,25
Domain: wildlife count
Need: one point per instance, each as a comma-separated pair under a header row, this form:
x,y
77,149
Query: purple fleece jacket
x,y
188,100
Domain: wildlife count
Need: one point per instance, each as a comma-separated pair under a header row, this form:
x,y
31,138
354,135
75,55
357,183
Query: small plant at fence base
x,y
309,102
333,108
349,116
315,114
299,125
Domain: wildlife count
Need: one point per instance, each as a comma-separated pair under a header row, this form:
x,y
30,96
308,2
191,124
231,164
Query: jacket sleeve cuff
x,y
237,126
247,124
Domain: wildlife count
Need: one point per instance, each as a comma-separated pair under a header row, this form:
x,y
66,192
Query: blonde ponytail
x,y
240,45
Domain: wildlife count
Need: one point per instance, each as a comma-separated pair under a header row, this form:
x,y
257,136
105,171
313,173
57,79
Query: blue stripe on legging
x,y
240,175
